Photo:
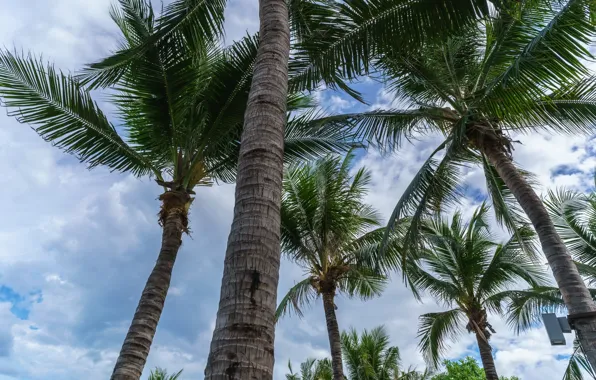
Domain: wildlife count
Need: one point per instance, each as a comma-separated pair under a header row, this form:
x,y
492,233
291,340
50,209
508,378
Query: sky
x,y
76,246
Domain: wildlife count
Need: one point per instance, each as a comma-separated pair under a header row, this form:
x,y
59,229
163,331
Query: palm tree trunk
x,y
334,337
137,343
243,339
573,289
486,355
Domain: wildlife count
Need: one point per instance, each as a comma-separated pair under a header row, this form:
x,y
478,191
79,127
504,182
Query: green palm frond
x,y
364,283
574,217
433,187
63,113
161,374
369,356
435,330
545,49
578,363
527,306
300,295
364,29
195,23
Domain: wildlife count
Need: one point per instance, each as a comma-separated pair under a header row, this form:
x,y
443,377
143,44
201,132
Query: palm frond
x,y
300,295
63,113
527,306
195,23
364,283
161,374
436,330
551,43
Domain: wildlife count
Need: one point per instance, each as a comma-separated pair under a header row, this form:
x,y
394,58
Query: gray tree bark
x,y
334,336
486,354
573,289
135,349
242,347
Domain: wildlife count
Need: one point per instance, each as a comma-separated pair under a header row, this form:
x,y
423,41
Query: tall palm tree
x,y
369,357
463,268
312,369
528,74
324,228
161,374
182,111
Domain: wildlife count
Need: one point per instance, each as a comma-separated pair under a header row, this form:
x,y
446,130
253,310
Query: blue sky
x,y
76,246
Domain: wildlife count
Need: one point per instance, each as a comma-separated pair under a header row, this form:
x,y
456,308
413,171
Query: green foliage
x,y
162,374
465,269
326,230
369,356
500,76
312,369
181,98
464,369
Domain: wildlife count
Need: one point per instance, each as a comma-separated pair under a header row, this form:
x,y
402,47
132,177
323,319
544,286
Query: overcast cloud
x,y
76,246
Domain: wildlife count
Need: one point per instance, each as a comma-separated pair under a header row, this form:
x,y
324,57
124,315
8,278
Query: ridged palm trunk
x,y
134,352
486,355
334,336
574,290
243,339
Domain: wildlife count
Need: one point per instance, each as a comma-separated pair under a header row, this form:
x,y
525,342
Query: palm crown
x,y
312,369
502,76
325,230
464,269
182,106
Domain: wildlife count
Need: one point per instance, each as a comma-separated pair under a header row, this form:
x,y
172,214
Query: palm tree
x,y
479,95
312,369
182,111
251,273
324,230
161,374
336,41
463,268
369,357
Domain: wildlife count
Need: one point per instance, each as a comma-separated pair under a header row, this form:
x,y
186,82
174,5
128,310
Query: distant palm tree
x,y
463,268
182,106
161,374
369,357
326,230
528,74
312,369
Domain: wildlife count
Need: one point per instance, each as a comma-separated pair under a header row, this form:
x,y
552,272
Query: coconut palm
x,y
312,369
325,230
161,374
369,357
480,96
464,269
182,113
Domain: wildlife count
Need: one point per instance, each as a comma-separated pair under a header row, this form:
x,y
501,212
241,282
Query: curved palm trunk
x,y
573,289
137,343
334,337
486,355
243,339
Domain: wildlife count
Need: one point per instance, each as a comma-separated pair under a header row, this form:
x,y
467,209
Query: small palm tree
x,y
162,374
479,96
182,105
312,369
463,268
325,230
369,357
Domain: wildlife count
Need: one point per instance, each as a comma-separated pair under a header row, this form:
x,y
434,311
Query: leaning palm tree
x,y
528,74
464,269
312,369
182,106
325,230
161,374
